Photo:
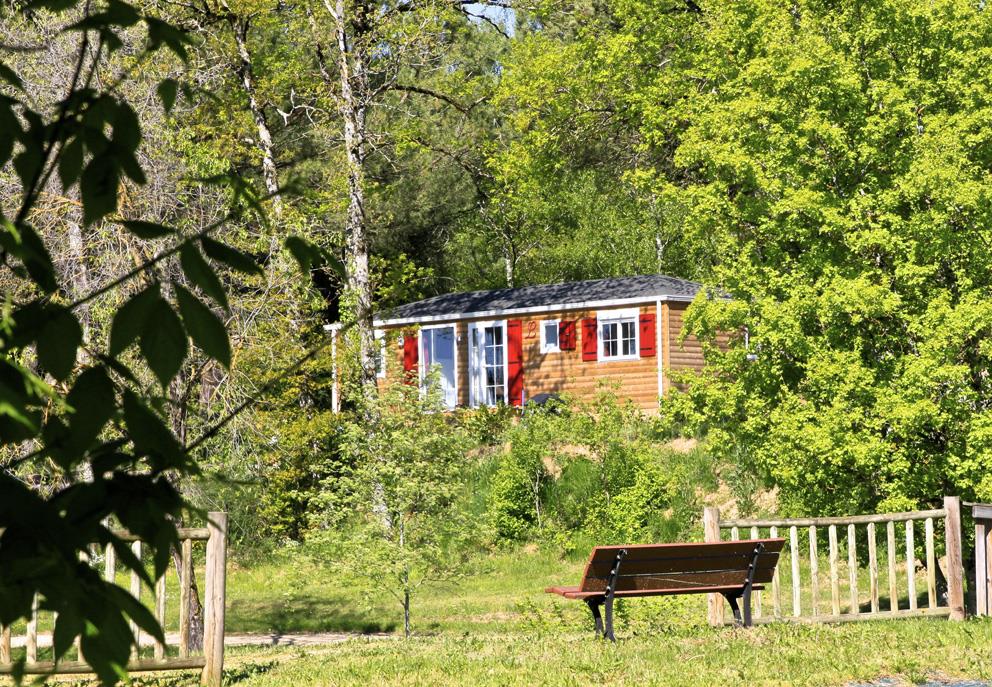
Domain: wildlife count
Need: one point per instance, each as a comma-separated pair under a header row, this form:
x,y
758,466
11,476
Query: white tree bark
x,y
239,27
353,101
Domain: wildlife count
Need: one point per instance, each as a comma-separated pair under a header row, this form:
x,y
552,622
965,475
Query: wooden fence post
x,y
711,533
955,564
214,592
982,513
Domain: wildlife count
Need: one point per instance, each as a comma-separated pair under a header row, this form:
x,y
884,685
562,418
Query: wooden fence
x,y
982,514
800,565
211,660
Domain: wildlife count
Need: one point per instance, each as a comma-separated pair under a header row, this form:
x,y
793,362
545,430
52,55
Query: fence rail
x,y
211,661
803,567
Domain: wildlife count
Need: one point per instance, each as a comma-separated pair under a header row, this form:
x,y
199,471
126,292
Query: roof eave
x,y
555,307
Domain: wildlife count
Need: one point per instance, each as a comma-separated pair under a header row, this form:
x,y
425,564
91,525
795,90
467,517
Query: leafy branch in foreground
x,y
79,406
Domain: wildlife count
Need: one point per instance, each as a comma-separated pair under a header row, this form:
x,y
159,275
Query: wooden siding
x,y
684,354
565,372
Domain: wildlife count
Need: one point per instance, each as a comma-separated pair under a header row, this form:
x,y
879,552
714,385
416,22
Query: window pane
x,y
551,334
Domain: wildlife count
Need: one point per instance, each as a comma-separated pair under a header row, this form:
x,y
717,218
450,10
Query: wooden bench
x,y
732,568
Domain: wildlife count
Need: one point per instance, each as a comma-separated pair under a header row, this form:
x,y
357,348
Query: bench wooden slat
x,y
713,563
652,592
695,558
675,581
690,551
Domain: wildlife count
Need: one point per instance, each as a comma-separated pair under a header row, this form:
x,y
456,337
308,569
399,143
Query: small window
x,y
618,333
380,355
549,336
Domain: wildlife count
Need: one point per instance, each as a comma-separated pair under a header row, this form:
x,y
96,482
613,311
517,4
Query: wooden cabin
x,y
510,345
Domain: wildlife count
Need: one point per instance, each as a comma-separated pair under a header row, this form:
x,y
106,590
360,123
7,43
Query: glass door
x,y
487,355
438,352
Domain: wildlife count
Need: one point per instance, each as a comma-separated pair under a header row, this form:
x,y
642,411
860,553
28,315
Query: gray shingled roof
x,y
576,294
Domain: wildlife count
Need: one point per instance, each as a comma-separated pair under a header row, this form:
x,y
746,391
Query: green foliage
x,y
597,472
833,164
809,162
86,439
398,526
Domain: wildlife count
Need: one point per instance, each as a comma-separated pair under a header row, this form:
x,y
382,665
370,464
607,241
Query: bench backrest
x,y
666,567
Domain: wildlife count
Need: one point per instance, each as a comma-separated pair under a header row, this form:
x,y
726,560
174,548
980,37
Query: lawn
x,y
495,626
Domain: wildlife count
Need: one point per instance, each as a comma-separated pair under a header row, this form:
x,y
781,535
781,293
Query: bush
x,y
599,471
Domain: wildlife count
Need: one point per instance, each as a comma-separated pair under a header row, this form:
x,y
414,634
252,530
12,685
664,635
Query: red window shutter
x,y
515,361
589,344
566,335
648,335
410,356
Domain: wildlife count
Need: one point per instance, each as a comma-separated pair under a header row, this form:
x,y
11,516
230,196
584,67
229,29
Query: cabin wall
x,y
565,372
684,354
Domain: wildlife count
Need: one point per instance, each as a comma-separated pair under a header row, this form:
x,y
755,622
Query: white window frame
x,y
617,317
475,391
545,346
422,370
380,337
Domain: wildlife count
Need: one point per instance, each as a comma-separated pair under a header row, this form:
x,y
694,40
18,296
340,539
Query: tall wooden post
x,y
955,563
982,514
214,592
711,533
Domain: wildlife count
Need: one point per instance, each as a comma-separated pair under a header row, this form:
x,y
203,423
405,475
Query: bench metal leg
x,y
608,632
747,607
594,605
732,600
745,619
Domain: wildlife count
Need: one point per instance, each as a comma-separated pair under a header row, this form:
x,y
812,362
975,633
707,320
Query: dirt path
x,y
237,639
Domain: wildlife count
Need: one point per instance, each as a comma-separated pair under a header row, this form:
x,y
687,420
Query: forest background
x,y
826,164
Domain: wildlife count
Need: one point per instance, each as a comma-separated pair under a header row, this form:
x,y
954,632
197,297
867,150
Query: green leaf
x,y
163,341
204,327
67,626
71,162
98,187
147,230
231,257
307,255
198,271
93,401
10,76
127,128
167,94
149,432
129,321
160,33
36,259
10,129
58,342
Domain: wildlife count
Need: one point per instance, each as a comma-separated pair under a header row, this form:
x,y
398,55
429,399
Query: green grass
x,y
775,655
497,627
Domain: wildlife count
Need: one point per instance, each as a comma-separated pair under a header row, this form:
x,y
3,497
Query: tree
x,y
378,58
403,528
847,175
94,415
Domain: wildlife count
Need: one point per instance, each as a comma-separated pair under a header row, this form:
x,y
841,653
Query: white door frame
x,y
476,362
422,369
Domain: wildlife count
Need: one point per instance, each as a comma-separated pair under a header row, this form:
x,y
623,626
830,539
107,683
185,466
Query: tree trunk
x,y
353,102
509,260
239,27
195,610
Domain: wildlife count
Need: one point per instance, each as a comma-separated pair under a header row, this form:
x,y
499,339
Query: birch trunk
x,y
239,27
353,103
